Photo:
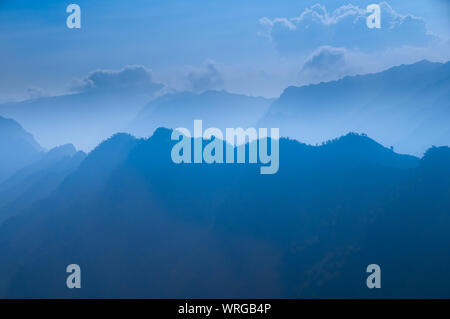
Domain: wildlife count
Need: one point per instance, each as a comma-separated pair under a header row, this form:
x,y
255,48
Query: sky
x,y
250,47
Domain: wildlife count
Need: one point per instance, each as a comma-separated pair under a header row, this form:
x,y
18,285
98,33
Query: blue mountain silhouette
x,y
141,226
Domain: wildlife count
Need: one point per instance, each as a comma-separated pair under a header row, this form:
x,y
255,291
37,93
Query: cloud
x,y
327,64
35,93
131,78
346,27
206,78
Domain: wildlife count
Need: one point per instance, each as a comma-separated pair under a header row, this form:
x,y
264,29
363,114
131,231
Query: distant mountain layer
x,y
215,108
18,148
28,172
407,107
141,226
84,119
37,180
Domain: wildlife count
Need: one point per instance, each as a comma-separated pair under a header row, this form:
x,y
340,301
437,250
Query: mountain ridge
x,y
175,224
404,106
19,148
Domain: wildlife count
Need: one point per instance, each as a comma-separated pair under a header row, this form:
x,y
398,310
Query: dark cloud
x,y
326,64
133,78
206,78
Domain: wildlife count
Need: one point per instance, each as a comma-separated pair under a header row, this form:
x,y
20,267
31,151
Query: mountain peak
x,y
437,156
19,148
63,150
10,129
116,139
356,141
162,133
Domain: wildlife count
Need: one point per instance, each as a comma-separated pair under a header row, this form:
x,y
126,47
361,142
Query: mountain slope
x,y
407,107
18,148
37,180
196,230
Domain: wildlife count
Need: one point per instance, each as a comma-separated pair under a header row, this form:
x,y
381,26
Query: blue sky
x,y
240,46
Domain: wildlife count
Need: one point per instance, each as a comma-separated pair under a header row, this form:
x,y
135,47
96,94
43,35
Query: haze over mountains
x,y
18,147
84,119
38,179
215,108
29,172
354,96
140,225
406,107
